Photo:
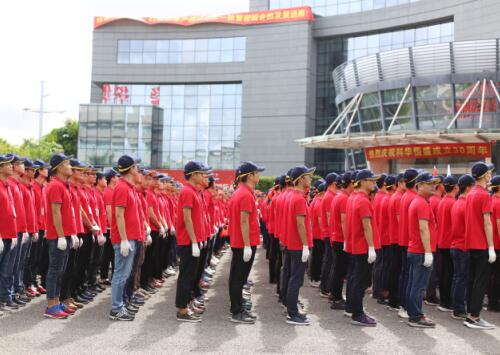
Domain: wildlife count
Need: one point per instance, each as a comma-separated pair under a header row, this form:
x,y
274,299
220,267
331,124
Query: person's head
x,y
100,180
355,181
450,185
79,174
315,187
211,183
6,168
249,172
495,184
381,181
465,184
42,169
366,180
331,181
194,172
128,166
400,182
301,177
112,177
426,184
29,169
347,181
390,183
410,175
17,164
481,172
60,166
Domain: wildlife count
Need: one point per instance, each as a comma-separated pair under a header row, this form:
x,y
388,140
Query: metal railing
x,y
464,57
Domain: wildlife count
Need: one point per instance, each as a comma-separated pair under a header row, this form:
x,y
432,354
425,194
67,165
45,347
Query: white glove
x,y
1,246
26,237
101,240
428,259
247,254
75,244
80,242
172,231
35,237
492,256
14,243
162,232
195,250
149,240
372,255
216,229
61,243
345,245
125,248
148,230
305,253
95,229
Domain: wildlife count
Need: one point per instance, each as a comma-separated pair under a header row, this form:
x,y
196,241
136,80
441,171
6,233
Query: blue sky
x,y
51,40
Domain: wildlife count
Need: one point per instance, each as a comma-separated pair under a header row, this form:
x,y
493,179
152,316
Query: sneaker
x,y
41,290
459,315
324,294
338,305
432,301
55,312
10,305
131,308
121,316
422,322
250,282
23,297
31,292
347,314
68,310
250,314
196,310
3,308
478,324
105,282
444,309
393,308
81,300
314,284
137,302
403,314
297,320
170,271
18,302
364,321
188,317
242,318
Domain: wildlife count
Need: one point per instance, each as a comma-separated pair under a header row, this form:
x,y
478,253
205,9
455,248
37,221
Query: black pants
x,y
148,269
279,263
403,276
430,292
494,286
69,278
361,280
238,276
199,271
339,270
95,262
445,278
317,259
394,272
479,277
274,250
43,263
165,261
326,265
350,278
284,275
108,257
187,276
295,281
83,261
31,271
157,250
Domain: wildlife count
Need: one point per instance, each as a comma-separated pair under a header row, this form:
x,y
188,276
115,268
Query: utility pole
x,y
40,113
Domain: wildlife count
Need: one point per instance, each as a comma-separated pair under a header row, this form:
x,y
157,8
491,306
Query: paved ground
x,y
155,329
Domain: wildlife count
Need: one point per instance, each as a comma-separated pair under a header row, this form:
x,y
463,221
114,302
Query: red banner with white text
x,y
414,151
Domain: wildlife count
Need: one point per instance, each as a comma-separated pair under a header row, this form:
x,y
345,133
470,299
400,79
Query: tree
x,y
66,136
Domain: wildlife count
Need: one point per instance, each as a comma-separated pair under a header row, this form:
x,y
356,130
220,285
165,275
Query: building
x,y
249,86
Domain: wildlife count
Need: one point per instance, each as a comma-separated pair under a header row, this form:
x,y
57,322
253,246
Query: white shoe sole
x,y
416,325
296,323
472,326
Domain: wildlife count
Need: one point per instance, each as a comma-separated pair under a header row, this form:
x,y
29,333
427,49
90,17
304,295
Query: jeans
x,y
123,267
445,277
188,265
7,259
297,271
326,265
130,285
361,280
317,259
18,264
57,264
479,277
418,278
19,286
459,284
403,277
339,270
238,275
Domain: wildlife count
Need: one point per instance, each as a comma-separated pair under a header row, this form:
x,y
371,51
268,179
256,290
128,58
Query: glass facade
x,y
183,51
200,121
338,7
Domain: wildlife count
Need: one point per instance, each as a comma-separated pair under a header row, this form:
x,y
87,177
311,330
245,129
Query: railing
x,y
434,59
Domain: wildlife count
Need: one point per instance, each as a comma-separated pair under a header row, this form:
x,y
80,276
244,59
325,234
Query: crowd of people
x,y
70,230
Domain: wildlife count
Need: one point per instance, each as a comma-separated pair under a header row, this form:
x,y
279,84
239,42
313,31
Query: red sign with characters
x,y
428,151
245,18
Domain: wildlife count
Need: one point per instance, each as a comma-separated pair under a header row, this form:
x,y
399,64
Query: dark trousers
x,y
386,253
394,272
296,280
32,269
284,276
418,278
83,261
317,259
7,258
339,270
494,287
187,276
350,279
20,263
57,264
326,266
274,250
130,285
161,257
43,264
199,272
377,275
95,262
279,263
460,274
108,258
157,250
445,277
361,280
479,276
430,292
403,277
172,254
149,261
69,279
238,275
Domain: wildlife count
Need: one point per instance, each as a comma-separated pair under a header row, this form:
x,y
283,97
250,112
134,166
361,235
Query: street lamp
x,y
40,119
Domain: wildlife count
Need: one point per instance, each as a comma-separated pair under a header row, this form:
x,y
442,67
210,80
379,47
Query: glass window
x,y
123,46
201,45
136,58
123,57
161,58
149,46
188,45
162,46
136,45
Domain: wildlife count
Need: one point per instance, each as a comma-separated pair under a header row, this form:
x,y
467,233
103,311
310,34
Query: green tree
x,y
39,150
66,136
265,183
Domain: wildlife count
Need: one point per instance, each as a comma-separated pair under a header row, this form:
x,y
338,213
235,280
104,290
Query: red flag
x,y
435,171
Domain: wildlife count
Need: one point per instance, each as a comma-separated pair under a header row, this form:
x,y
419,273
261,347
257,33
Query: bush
x,y
265,183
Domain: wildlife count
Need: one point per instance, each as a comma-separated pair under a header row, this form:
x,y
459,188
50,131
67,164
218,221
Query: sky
x,y
51,40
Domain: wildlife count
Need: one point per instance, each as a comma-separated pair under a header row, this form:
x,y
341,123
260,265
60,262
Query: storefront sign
x,y
428,151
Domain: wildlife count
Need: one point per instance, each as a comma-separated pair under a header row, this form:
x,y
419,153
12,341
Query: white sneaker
x,y
403,314
170,271
314,283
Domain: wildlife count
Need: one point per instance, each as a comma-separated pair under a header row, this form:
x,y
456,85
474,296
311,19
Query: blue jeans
x,y
459,284
418,277
6,269
297,271
129,288
123,267
57,264
20,264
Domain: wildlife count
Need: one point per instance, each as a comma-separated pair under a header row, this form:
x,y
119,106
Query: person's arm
x,y
120,222
425,235
342,221
57,219
245,227
328,218
488,229
186,212
85,218
153,218
301,227
108,214
368,231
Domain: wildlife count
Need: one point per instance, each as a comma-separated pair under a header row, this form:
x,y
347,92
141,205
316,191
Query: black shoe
x,y
90,293
18,302
81,299
432,301
89,299
338,305
242,318
131,309
188,317
23,297
10,305
121,316
96,289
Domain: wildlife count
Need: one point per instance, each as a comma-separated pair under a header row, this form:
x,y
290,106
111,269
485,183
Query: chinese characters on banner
x,y
428,151
246,18
119,94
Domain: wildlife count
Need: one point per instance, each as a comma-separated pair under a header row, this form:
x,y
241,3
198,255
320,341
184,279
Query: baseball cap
x,y
299,171
317,183
381,180
282,180
4,159
400,177
111,173
410,175
58,159
76,164
125,162
495,181
40,164
248,167
28,163
450,180
479,169
99,176
366,174
390,181
196,167
425,177
466,180
347,177
322,187
16,158
331,178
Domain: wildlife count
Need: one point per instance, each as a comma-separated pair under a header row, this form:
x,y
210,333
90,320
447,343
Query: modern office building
x,y
375,73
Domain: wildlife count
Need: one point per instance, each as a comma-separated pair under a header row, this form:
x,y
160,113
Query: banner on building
x,y
246,18
415,151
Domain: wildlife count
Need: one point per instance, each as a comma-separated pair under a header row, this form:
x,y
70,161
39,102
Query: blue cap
x,y
196,167
400,177
450,180
282,180
366,174
76,164
425,177
390,181
4,159
57,159
125,162
410,175
299,171
16,158
28,163
495,181
317,183
466,180
40,164
347,178
479,169
331,178
322,187
248,167
111,173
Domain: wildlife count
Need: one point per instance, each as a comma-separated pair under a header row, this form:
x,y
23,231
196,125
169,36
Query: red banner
x,y
428,151
245,18
226,177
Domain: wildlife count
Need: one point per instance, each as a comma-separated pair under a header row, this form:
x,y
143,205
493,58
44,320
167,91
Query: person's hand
x,y
13,244
125,248
247,254
80,242
148,230
101,240
372,255
61,243
195,250
1,246
25,238
428,259
305,253
95,229
492,256
75,243
35,237
149,240
172,231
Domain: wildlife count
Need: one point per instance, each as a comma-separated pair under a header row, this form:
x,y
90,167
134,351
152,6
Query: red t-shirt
x,y
315,213
478,203
383,220
243,200
152,201
458,224
420,209
362,208
8,226
434,201
443,218
58,192
284,216
297,206
495,215
108,196
339,205
39,194
101,208
75,202
349,221
393,213
29,207
189,198
326,207
18,204
406,200
125,196
271,214
377,204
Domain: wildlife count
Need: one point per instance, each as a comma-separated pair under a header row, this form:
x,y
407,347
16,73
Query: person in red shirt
x,y
318,244
379,195
278,227
459,253
274,244
479,242
189,227
443,217
363,246
298,241
244,237
421,246
494,286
